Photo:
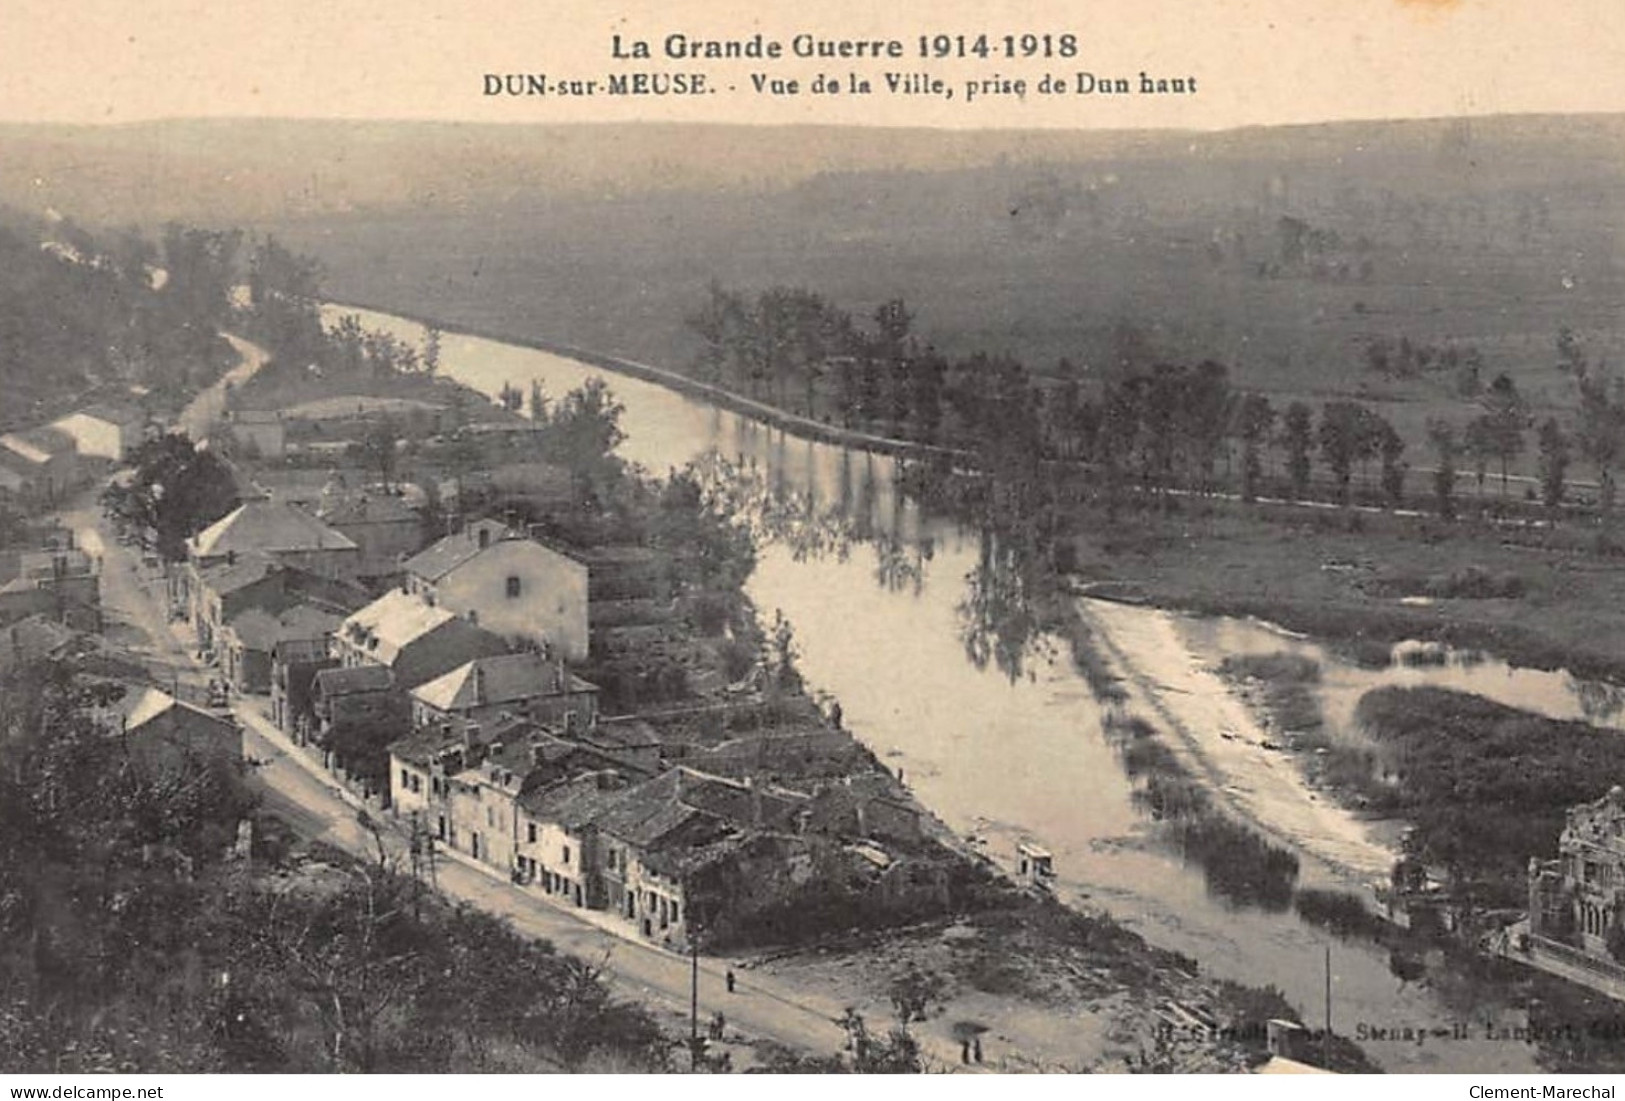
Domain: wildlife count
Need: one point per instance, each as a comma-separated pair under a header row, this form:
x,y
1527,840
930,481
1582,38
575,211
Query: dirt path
x,y
1223,743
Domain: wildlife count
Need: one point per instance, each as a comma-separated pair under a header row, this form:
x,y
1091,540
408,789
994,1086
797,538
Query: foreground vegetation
x,y
137,936
1486,786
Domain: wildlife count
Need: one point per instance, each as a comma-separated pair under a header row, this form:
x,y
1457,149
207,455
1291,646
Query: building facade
x,y
508,584
1579,898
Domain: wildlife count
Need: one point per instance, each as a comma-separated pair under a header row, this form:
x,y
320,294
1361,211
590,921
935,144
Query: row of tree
x,y
1162,426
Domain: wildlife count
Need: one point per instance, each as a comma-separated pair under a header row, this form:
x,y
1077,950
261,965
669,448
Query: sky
x,y
1255,61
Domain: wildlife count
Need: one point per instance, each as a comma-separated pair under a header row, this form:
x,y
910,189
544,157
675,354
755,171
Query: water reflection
x,y
945,669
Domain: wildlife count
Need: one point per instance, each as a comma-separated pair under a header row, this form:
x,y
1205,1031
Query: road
x,y
311,802
206,410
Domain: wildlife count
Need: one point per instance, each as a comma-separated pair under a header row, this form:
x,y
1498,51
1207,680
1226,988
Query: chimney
x,y
231,558
477,684
484,536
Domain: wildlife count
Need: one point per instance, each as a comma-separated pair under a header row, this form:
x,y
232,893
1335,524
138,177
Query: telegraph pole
x,y
1326,1041
693,1004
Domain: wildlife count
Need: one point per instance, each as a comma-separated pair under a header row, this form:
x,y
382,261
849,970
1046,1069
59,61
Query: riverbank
x,y
1220,741
770,415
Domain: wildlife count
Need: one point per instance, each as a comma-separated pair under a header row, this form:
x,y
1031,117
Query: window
x,y
515,586
530,833
566,854
676,913
406,780
490,816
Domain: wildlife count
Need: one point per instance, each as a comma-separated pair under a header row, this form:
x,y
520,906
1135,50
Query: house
x,y
105,431
60,582
643,838
537,488
294,665
1579,898
481,804
44,463
287,535
252,636
383,525
556,843
523,684
507,583
259,433
160,729
416,641
221,592
357,713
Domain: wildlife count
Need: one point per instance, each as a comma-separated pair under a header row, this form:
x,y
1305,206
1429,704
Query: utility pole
x,y
1326,1041
693,1004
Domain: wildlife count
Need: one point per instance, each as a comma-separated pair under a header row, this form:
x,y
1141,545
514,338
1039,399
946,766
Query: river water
x,y
880,597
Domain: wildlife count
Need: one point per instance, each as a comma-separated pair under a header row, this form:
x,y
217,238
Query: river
x,y
880,610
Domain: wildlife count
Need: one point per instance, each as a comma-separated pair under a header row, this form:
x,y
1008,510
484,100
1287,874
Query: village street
x,y
312,803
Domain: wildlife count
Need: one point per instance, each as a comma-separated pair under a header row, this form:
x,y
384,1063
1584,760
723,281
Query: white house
x,y
105,431
507,583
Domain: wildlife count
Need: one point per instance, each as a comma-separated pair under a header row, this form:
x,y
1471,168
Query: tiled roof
x,y
360,678
142,705
225,578
38,445
366,508
260,630
493,681
393,622
574,803
422,745
439,559
267,527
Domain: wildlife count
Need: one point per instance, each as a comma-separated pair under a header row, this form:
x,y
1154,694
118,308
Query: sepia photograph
x,y
668,539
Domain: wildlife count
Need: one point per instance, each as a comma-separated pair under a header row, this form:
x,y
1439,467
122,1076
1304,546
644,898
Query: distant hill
x,y
230,171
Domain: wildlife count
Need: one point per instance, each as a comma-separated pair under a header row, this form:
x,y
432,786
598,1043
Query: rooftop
x,y
266,527
493,681
39,445
360,678
261,630
391,623
361,507
230,576
440,558
578,802
111,414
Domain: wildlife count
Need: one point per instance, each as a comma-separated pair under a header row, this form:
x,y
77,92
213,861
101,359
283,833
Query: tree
x,y
1479,443
1599,433
1554,462
1446,449
1340,439
1297,438
176,491
1506,419
380,449
430,358
1256,418
912,992
1392,447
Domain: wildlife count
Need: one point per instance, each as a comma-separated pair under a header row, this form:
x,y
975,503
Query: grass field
x,y
1344,580
1484,241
